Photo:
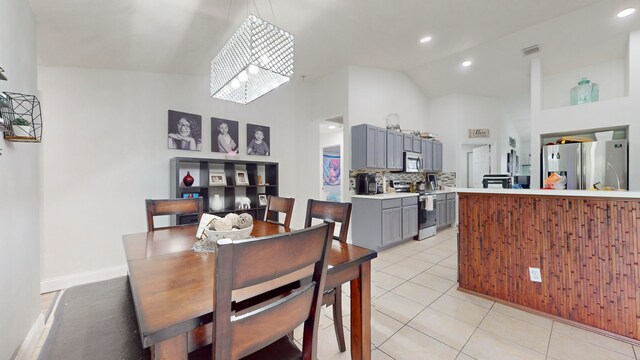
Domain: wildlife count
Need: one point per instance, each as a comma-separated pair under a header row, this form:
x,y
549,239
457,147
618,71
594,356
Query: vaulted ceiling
x,y
181,36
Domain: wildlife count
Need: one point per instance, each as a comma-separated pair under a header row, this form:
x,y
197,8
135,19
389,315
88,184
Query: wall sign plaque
x,y
478,133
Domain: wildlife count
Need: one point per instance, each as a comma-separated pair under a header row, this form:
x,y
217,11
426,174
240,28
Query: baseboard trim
x,y
67,281
31,340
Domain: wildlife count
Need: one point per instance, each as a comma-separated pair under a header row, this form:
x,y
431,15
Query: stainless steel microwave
x,y
413,162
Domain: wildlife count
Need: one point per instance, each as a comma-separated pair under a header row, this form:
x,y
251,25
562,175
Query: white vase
x,y
216,204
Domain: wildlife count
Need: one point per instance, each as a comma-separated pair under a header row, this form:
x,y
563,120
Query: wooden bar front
x,y
587,250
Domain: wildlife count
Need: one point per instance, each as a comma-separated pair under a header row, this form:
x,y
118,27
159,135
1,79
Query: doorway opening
x,y
331,162
479,162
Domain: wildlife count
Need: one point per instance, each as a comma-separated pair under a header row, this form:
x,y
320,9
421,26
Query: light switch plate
x,y
534,274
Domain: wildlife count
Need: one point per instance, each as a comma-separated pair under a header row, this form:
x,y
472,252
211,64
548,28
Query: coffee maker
x,y
366,184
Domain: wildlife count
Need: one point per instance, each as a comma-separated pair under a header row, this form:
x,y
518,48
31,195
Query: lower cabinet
x,y
409,221
445,209
377,223
392,226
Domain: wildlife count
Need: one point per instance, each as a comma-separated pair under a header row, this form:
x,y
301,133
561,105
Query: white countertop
x,y
583,193
385,196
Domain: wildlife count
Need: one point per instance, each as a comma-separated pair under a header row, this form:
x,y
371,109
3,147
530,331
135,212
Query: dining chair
x,y
172,207
262,330
339,213
279,205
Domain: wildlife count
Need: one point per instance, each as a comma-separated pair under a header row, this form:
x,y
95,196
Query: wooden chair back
x,y
172,207
328,210
279,205
243,263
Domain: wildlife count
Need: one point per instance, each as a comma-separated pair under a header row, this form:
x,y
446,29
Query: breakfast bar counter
x,y
586,245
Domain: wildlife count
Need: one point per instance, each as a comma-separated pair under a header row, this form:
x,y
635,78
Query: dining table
x,y
172,288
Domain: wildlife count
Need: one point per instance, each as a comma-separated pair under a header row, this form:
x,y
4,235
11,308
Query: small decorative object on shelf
x,y
243,203
21,116
187,180
260,180
217,179
585,92
216,203
262,199
242,178
190,195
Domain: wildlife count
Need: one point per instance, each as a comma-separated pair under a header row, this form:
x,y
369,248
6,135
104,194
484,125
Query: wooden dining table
x,y
172,288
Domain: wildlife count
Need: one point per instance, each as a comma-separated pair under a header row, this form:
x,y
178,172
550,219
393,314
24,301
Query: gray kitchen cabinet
x,y
408,142
427,154
395,142
380,223
392,226
445,209
409,221
368,147
437,156
417,144
451,211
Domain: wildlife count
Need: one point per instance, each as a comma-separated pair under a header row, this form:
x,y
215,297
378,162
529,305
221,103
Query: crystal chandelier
x,y
257,59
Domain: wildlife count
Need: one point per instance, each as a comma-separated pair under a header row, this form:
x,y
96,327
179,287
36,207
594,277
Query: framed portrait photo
x,y
217,179
242,178
258,140
262,199
185,131
224,136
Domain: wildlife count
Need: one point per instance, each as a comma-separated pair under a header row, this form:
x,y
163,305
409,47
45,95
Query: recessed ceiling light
x,y
332,127
467,63
425,39
626,12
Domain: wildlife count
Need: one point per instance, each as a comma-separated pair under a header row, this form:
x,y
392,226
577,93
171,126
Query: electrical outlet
x,y
535,275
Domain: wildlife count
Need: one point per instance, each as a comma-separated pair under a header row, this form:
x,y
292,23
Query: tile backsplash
x,y
444,179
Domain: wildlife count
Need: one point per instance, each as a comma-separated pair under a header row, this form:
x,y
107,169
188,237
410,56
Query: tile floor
x,y
418,313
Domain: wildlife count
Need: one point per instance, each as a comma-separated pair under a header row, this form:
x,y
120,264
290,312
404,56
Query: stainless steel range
x,y
427,219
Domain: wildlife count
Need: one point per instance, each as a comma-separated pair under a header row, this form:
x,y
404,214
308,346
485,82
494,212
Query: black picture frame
x,y
232,144
186,137
255,148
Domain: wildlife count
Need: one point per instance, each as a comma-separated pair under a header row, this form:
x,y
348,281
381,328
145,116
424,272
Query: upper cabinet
x,y
377,148
395,146
437,156
368,147
427,154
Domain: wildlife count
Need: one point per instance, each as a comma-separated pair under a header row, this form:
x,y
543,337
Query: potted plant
x,y
21,127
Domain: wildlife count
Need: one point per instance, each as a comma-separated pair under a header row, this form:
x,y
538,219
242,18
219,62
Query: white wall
x,y
610,76
453,115
19,187
106,151
607,113
376,93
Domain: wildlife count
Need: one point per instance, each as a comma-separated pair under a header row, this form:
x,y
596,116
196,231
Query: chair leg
x,y
337,319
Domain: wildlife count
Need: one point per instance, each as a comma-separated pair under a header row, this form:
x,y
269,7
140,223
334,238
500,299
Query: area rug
x,y
95,321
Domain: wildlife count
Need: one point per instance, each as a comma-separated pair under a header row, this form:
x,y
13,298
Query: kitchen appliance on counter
x,y
432,183
402,186
590,165
497,181
366,184
413,162
427,220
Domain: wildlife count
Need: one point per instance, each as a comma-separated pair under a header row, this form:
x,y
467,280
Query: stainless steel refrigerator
x,y
599,163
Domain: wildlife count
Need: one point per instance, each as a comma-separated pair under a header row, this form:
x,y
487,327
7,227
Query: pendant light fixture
x,y
257,59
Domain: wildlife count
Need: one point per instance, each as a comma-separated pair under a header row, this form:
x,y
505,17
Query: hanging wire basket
x,y
22,117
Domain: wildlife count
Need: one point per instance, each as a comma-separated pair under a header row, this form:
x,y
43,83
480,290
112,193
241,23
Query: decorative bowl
x,y
235,234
